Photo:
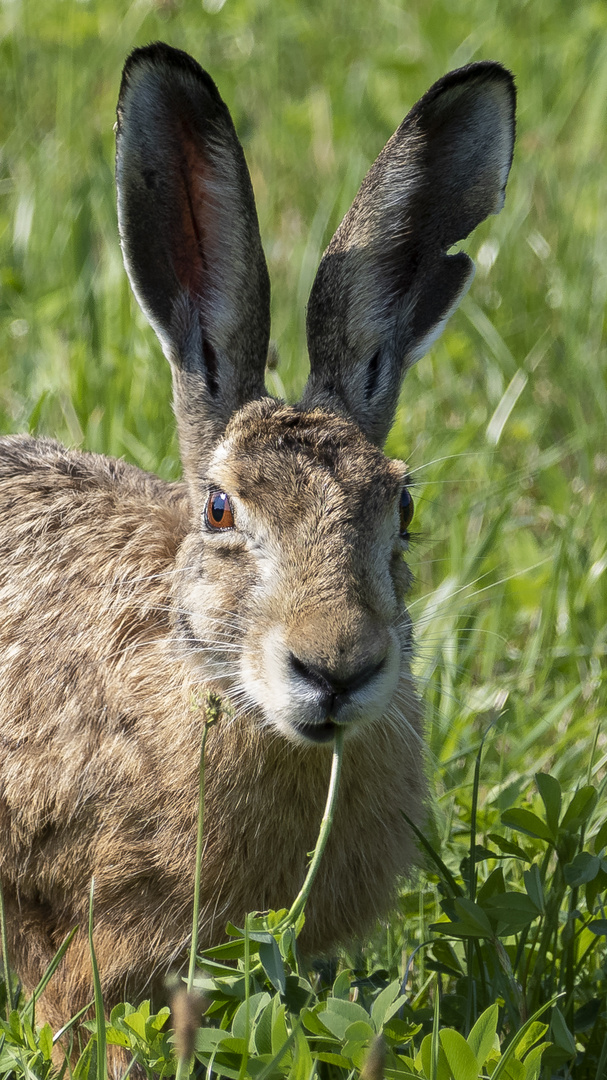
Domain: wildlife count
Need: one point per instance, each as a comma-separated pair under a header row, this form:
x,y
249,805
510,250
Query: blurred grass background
x,y
504,423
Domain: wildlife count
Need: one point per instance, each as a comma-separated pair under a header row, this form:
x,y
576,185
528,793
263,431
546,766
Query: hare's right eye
x,y
218,512
406,511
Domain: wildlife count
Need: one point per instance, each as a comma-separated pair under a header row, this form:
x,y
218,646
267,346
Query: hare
x,y
273,576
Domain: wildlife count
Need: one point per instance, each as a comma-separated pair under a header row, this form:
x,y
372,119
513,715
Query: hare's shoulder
x,y
43,483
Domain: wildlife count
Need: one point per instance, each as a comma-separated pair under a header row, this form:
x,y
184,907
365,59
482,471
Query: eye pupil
x,y
218,506
406,508
218,512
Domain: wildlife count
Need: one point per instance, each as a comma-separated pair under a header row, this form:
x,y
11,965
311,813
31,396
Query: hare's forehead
x,y
300,460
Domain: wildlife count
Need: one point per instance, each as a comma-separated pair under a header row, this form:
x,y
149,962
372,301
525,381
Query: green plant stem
x,y
247,997
99,1010
198,872
4,939
300,901
182,1064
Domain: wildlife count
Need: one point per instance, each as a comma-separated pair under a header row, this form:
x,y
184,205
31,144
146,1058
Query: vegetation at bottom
x,y
503,425
510,979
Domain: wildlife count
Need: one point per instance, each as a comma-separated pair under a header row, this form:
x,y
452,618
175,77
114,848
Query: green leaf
x,y
157,1021
382,1003
360,1031
482,1036
494,884
303,1064
583,868
263,1029
233,1045
230,950
334,1059
533,1061
596,886
598,927
512,912
472,920
533,885
298,994
460,1056
550,791
339,1014
45,1041
580,808
509,848
400,1031
280,1034
507,1058
526,821
600,840
341,986
208,1039
394,1007
310,1021
86,1066
561,1033
113,1035
256,1003
273,964
443,1072
137,1024
531,1036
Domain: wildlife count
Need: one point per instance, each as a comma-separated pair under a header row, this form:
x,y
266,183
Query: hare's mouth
x,y
317,733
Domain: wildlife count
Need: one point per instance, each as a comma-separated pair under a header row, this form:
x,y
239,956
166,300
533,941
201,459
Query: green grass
x,y
504,423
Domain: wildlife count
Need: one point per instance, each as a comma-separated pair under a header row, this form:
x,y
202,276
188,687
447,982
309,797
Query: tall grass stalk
x,y
4,940
199,842
99,1010
183,1064
301,899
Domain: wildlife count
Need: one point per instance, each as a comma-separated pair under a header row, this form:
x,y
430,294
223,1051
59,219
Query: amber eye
x,y
218,512
406,511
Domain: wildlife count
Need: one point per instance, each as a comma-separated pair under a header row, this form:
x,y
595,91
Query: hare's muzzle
x,y
333,692
312,693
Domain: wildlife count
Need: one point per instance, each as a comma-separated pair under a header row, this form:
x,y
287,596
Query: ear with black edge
x,y
190,240
386,285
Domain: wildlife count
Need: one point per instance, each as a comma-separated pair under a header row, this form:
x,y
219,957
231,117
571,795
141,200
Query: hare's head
x,y
289,595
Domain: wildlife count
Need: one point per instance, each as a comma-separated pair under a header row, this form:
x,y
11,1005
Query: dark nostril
x,y
329,682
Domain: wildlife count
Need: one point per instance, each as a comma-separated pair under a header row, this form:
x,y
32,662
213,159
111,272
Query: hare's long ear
x,y
190,240
386,285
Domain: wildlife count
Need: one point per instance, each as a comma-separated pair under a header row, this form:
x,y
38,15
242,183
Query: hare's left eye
x,y
218,512
406,511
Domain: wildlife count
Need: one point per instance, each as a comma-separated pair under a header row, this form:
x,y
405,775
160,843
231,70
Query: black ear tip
x,y
165,60
473,77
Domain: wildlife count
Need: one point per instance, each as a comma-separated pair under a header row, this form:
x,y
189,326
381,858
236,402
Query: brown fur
x,y
121,607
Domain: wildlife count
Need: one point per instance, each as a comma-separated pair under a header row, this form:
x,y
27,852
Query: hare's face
x,y
291,580
294,586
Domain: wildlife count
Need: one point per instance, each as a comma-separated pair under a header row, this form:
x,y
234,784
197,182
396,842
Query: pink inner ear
x,y
195,239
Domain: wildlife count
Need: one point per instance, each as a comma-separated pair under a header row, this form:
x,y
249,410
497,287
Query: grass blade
x,y
99,1011
4,942
48,974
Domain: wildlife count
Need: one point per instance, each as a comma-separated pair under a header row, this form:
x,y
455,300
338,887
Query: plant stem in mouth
x,y
301,899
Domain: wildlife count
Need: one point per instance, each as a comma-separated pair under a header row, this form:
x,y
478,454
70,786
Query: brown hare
x,y
273,576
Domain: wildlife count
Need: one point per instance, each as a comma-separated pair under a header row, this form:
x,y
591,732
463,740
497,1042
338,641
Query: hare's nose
x,y
335,686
